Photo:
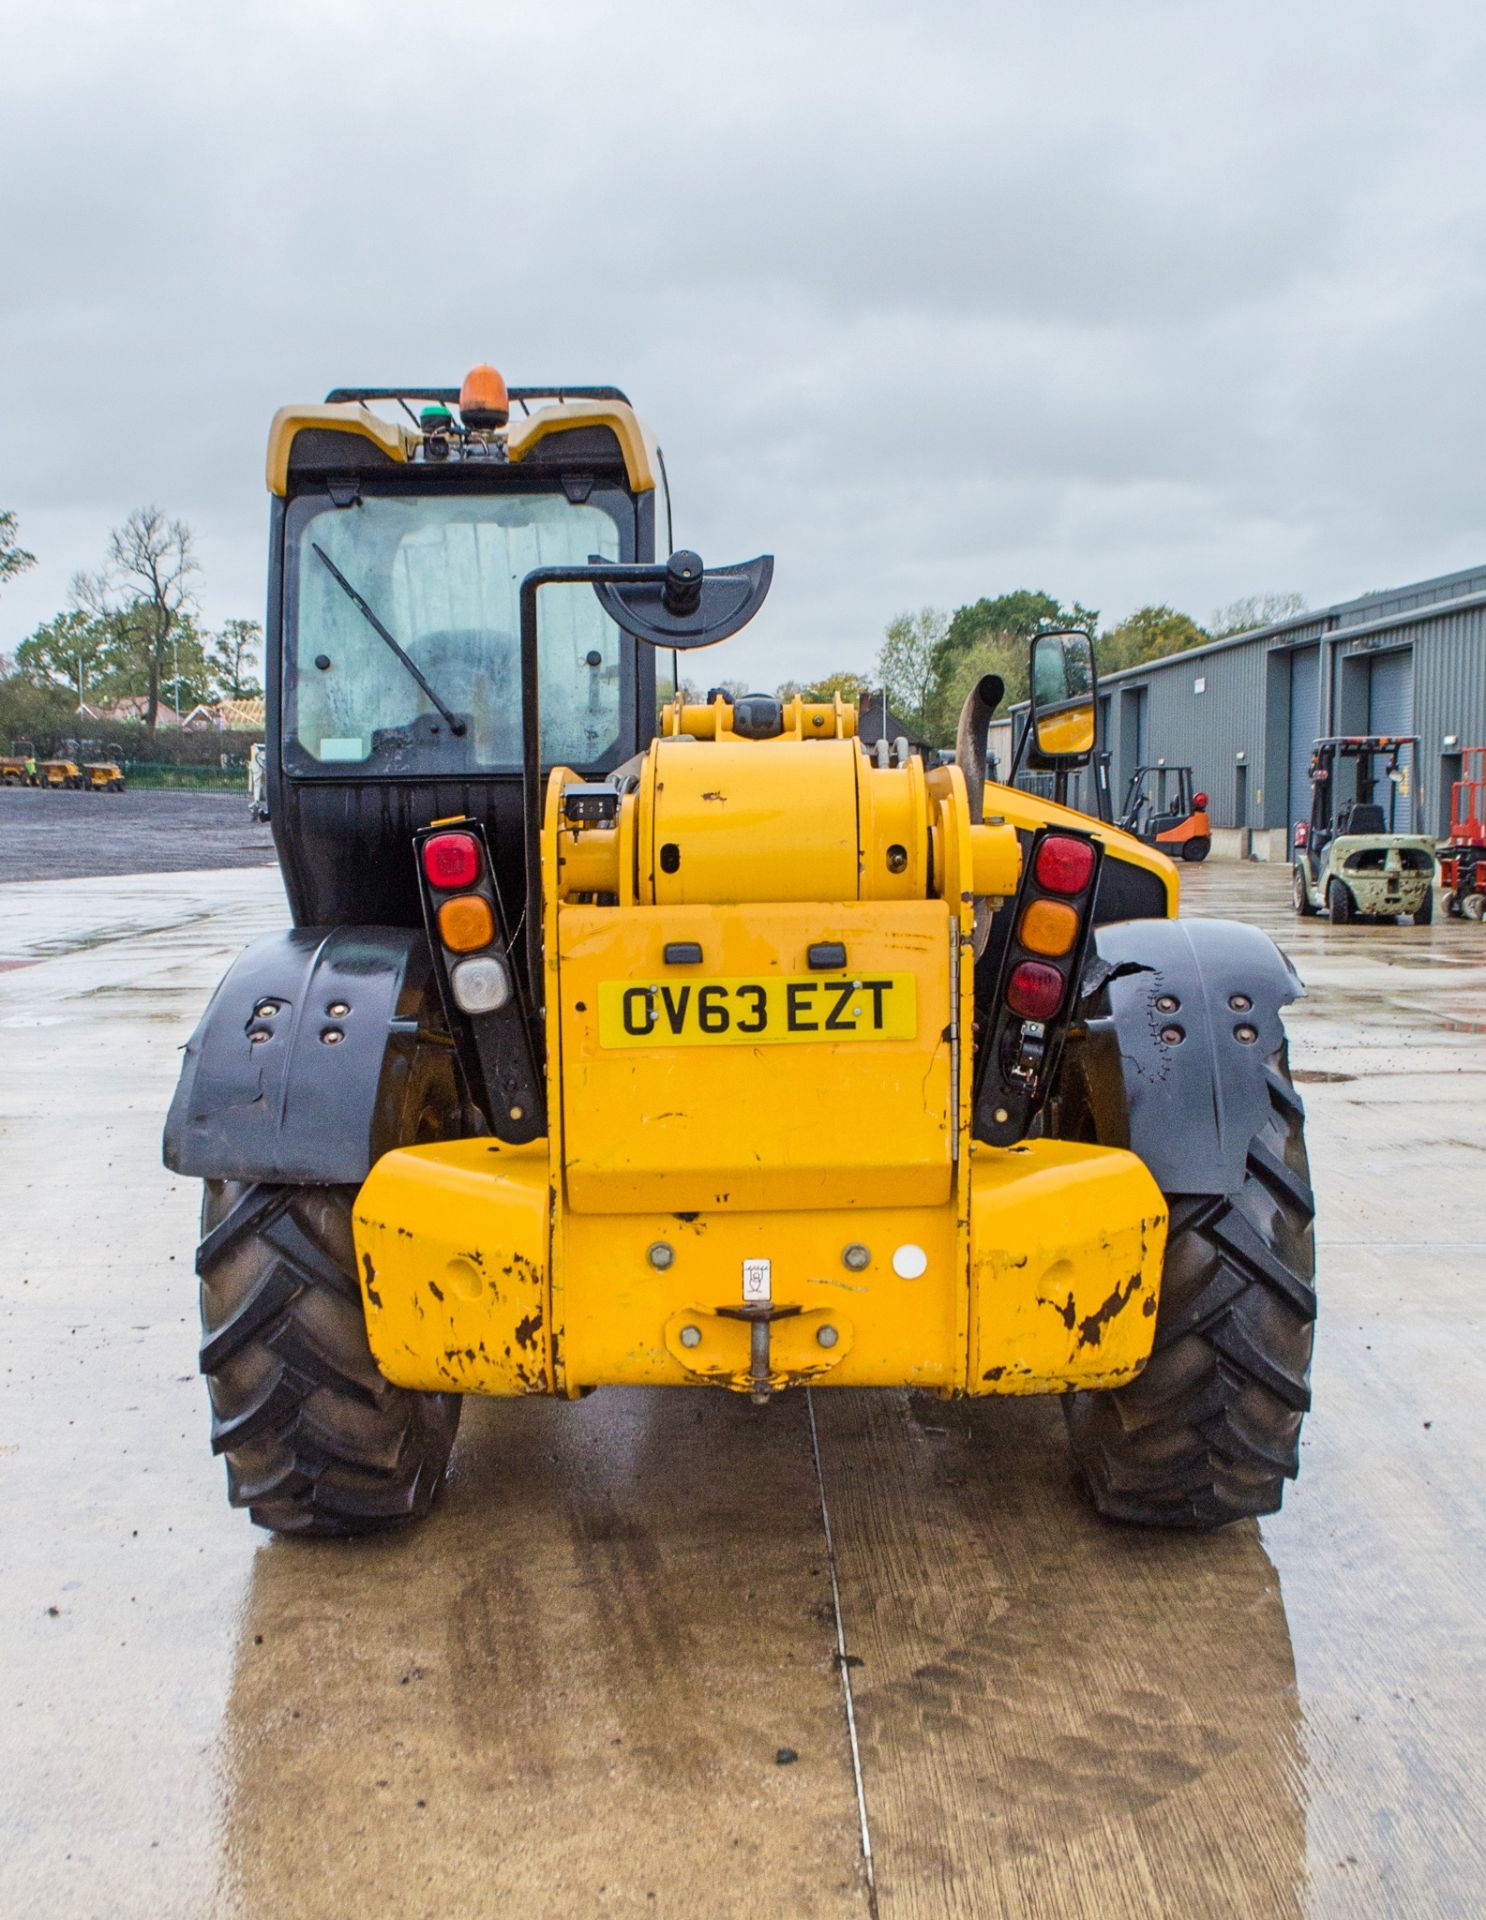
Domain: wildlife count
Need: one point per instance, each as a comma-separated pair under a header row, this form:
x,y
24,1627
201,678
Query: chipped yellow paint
x,y
451,1247
622,1314
716,1347
1066,1243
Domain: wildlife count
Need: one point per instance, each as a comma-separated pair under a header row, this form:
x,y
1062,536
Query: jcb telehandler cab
x,y
723,1055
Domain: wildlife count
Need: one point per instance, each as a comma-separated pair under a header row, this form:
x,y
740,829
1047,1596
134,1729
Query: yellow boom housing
x,y
759,1171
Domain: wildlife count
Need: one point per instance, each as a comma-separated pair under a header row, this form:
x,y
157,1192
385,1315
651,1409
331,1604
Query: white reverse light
x,y
481,985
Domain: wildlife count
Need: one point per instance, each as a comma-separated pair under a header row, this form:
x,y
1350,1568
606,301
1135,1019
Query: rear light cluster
x,y
1049,925
497,1061
454,867
1039,983
1035,991
452,860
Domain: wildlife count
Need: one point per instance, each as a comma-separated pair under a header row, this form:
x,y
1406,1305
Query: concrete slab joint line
x,y
843,1665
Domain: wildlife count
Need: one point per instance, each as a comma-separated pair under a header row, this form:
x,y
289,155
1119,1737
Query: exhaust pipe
x,y
972,752
972,756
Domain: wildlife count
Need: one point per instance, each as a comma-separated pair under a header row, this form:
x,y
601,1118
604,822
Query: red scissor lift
x,y
1463,856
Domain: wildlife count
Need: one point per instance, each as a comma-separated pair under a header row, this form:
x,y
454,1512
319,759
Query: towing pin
x,y
758,1355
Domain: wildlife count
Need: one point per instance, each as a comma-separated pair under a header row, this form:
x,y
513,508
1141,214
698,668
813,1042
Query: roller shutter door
x,y
1305,720
1390,710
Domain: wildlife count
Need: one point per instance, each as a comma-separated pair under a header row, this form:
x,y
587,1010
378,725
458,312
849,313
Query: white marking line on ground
x,y
845,1670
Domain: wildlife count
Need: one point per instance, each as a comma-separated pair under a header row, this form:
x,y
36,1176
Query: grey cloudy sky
x,y
1148,301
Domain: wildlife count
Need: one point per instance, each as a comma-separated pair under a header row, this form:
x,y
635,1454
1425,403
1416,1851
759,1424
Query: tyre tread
x,y
1209,1432
316,1440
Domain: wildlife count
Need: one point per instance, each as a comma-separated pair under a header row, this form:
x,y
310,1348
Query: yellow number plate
x,y
757,1013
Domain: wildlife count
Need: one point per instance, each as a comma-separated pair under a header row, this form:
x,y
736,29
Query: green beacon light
x,y
437,423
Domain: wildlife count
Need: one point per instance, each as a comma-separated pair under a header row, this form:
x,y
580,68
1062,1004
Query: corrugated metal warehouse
x,y
1243,712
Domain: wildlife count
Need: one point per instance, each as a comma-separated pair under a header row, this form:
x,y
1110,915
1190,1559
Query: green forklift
x,y
1349,860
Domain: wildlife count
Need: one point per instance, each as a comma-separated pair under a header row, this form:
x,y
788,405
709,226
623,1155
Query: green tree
x,y
144,591
1003,654
34,711
189,679
1258,610
1150,633
852,687
232,658
97,658
908,668
14,558
1015,615
991,635
72,650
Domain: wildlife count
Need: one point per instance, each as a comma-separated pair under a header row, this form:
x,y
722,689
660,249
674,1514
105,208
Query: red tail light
x,y
1064,866
1199,803
452,860
1300,833
1034,991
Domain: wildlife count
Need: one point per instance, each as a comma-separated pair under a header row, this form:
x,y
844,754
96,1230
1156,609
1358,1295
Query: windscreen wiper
x,y
456,725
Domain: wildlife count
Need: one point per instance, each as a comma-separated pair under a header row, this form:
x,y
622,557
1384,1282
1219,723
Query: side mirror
x,y
1063,688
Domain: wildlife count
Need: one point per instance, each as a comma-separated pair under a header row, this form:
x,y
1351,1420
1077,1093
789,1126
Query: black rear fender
x,y
1182,1017
321,1049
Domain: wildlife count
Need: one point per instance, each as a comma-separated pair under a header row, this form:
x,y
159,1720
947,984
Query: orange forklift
x,y
1462,857
1162,809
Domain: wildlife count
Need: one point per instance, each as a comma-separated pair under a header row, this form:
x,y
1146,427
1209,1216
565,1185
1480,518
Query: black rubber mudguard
x,y
1183,1017
302,1105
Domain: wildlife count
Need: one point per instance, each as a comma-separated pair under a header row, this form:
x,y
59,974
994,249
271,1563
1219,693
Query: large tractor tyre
x,y
1209,1432
316,1440
1300,892
1197,848
1423,914
1340,904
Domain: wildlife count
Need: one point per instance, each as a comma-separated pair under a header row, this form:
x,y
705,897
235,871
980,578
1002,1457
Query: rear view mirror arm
x,y
672,603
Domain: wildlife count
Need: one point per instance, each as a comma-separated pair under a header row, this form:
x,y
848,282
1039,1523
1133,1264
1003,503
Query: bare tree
x,y
143,590
14,558
1257,610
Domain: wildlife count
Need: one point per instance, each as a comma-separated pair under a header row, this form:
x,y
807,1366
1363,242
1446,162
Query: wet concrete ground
x,y
569,1691
66,834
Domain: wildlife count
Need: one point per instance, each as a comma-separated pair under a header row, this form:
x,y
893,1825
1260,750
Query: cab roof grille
x,y
449,396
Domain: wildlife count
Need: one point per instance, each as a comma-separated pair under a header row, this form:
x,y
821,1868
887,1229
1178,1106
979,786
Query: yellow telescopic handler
x,y
720,1056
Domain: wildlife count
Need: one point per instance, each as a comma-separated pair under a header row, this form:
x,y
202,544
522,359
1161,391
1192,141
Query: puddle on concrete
x,y
147,993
